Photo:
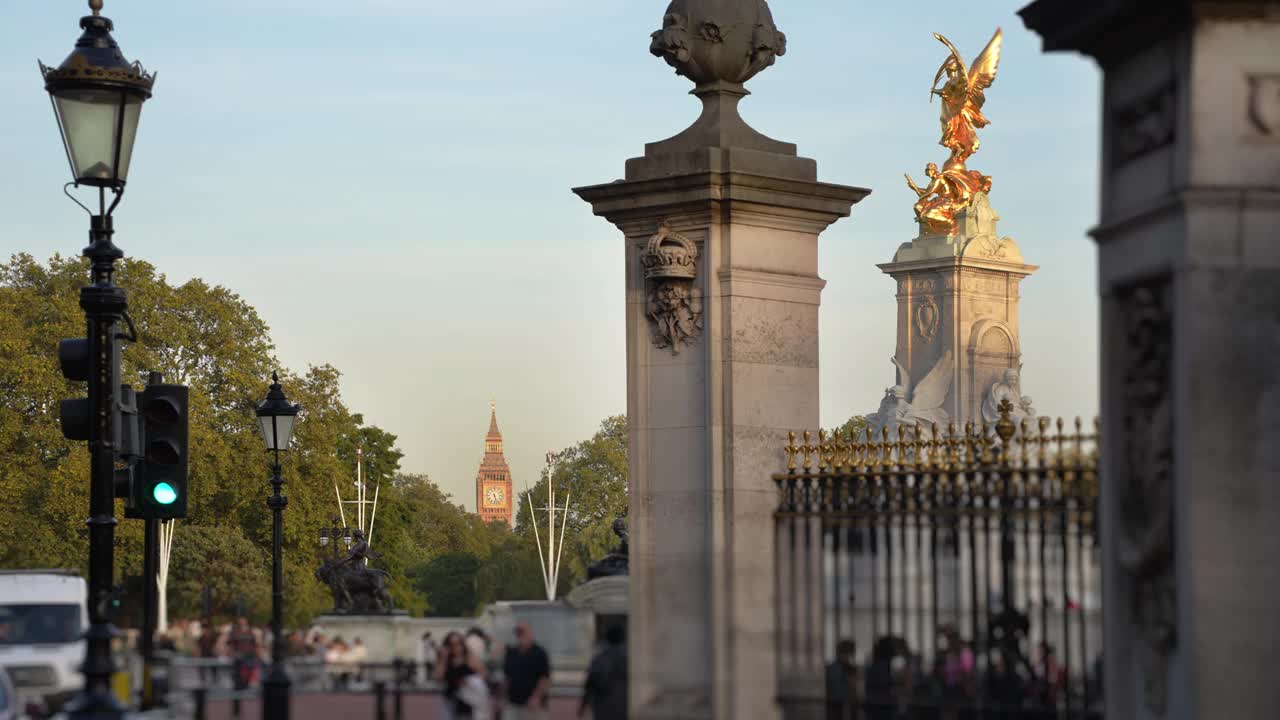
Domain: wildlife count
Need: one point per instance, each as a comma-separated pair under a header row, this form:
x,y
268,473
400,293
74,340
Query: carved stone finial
x,y
719,45
718,41
96,6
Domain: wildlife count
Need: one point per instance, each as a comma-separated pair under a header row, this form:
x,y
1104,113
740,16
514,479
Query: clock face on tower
x,y
493,496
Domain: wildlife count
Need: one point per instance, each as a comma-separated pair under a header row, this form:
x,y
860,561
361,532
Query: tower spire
x,y
494,433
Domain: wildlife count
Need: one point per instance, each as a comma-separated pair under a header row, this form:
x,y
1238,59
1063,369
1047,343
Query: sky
x,y
388,183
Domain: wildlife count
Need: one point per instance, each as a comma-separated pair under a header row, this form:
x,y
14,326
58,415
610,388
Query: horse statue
x,y
355,588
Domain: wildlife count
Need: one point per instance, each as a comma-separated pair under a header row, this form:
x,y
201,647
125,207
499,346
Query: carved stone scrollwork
x,y
927,318
1145,492
1264,104
1143,125
674,305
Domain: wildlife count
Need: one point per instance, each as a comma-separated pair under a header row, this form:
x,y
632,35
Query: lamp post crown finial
x,y
96,6
275,377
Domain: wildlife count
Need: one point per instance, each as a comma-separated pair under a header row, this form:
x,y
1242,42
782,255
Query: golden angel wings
x,y
963,95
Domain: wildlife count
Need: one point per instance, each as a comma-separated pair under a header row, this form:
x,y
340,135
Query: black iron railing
x,y
962,566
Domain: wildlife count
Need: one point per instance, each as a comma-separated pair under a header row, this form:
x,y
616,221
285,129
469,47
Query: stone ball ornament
x,y
718,41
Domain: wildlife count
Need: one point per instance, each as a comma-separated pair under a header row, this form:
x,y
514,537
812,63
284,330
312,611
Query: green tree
x,y
855,425
593,475
208,338
449,584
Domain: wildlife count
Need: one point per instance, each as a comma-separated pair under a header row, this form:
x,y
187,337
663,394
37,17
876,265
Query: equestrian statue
x,y
356,588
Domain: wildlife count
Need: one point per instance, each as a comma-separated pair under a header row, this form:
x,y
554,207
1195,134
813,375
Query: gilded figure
x,y
964,94
951,189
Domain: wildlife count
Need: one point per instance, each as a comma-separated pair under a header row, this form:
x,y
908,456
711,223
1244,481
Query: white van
x,y
43,616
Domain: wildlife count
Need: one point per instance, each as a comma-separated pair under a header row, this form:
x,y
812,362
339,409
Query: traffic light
x,y
128,432
160,475
74,413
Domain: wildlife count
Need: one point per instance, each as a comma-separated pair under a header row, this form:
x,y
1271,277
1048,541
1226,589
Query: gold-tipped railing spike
x,y
824,451
1004,426
807,450
791,450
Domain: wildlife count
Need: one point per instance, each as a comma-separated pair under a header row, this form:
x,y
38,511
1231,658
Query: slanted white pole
x,y
162,574
533,520
374,516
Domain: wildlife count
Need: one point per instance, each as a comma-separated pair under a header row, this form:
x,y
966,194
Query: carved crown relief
x,y
674,305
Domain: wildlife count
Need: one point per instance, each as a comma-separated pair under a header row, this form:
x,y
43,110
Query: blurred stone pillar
x,y
721,228
1189,270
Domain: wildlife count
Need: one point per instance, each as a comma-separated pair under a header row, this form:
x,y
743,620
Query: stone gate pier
x,y
721,227
1189,271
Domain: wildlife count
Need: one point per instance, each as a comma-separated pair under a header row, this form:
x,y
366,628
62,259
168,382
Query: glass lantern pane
x,y
89,121
284,429
267,425
132,113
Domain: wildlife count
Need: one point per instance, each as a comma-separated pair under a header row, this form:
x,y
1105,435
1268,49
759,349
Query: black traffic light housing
x,y
159,487
74,413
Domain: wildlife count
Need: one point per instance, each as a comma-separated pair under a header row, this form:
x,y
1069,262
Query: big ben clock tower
x,y
493,482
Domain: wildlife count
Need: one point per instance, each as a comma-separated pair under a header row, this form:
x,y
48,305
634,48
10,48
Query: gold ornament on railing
x,y
952,188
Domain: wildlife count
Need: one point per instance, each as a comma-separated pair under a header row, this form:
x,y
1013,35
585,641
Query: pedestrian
x,y
466,694
207,647
527,671
478,645
428,651
841,681
879,680
243,644
356,657
605,690
335,663
959,673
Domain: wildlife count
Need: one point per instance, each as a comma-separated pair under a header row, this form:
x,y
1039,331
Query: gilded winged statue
x,y
963,94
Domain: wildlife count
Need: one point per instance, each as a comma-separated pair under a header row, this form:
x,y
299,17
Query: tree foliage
x,y
441,558
592,475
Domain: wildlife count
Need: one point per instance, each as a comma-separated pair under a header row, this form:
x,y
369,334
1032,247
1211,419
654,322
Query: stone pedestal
x,y
706,425
567,633
720,226
607,599
1189,270
386,637
958,313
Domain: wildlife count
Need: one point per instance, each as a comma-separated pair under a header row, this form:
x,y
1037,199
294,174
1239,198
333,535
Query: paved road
x,y
358,706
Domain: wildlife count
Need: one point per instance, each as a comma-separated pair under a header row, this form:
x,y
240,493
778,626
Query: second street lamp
x,y
276,418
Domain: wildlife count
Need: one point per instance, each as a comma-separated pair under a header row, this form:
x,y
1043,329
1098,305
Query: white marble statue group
x,y
923,403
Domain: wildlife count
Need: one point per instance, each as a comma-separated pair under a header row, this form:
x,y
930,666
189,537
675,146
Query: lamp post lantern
x,y
330,537
276,418
97,98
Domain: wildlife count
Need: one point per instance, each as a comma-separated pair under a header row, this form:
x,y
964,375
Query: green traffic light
x,y
164,493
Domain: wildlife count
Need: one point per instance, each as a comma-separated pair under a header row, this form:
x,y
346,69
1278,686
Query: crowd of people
x,y
895,683
477,677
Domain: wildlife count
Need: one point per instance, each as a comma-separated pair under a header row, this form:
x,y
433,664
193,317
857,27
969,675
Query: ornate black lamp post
x,y
330,536
97,97
276,418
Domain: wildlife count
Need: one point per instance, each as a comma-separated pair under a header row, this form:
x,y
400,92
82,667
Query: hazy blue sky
x,y
387,181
